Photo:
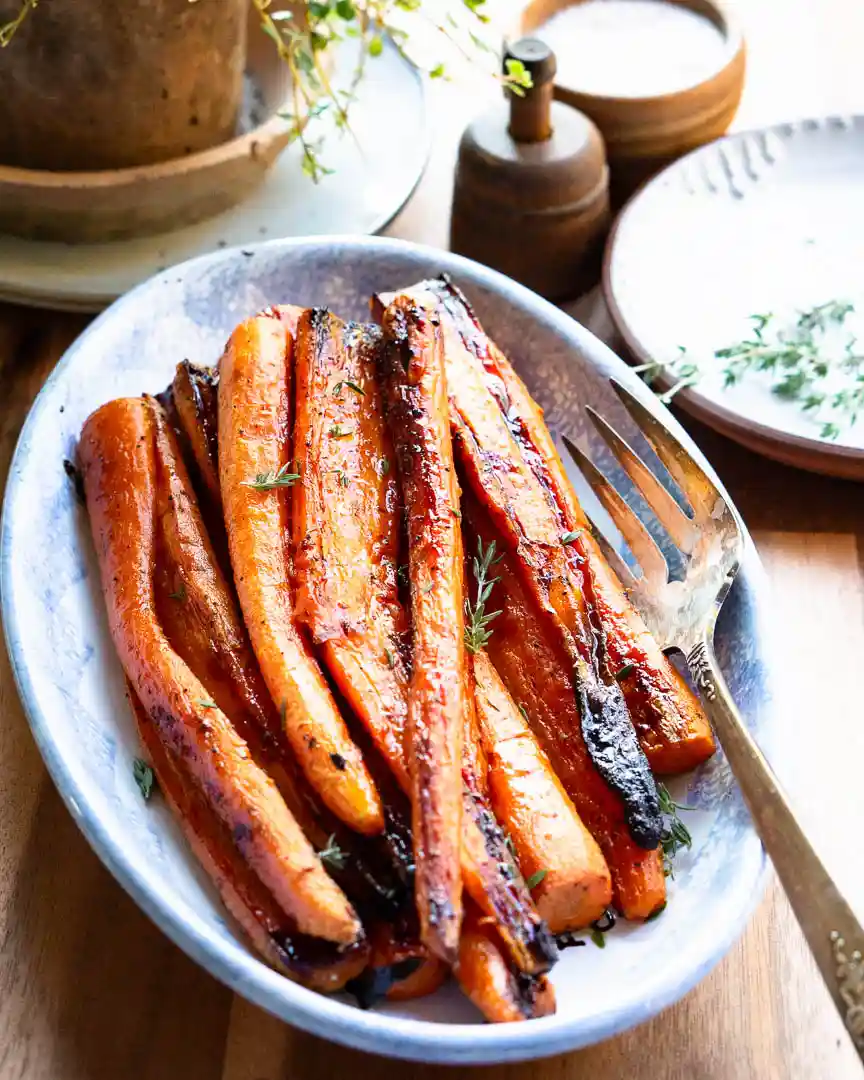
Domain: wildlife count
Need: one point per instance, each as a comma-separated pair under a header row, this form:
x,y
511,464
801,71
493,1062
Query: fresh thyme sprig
x,y
144,777
681,368
332,855
801,367
9,29
477,618
675,835
269,481
302,42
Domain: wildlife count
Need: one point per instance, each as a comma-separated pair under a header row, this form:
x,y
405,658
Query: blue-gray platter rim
x,y
189,310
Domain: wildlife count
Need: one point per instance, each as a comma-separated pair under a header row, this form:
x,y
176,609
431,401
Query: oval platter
x,y
72,687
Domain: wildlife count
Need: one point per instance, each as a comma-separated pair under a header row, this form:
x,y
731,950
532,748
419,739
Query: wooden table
x,y
89,989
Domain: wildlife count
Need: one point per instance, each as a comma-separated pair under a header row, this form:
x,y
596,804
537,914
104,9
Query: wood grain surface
x,y
91,990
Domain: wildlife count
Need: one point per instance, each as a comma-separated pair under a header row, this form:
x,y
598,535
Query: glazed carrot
x,y
254,460
118,458
345,523
673,730
200,616
552,844
486,978
195,605
535,668
490,871
195,399
416,394
317,964
401,963
499,468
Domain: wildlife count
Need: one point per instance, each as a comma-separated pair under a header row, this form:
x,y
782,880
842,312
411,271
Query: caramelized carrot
x,y
416,394
486,978
535,668
499,466
673,730
345,523
400,959
195,399
118,457
490,871
317,964
552,845
254,459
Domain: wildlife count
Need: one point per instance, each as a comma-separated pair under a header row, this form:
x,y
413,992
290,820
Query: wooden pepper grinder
x,y
531,193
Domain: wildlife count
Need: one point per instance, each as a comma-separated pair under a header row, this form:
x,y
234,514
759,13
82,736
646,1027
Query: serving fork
x,y
682,614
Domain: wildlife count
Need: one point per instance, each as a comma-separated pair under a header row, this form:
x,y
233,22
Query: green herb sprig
x,y
269,481
477,618
144,777
302,43
800,367
332,855
675,835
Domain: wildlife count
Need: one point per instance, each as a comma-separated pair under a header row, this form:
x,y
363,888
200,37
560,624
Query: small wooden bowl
x,y
116,204
644,134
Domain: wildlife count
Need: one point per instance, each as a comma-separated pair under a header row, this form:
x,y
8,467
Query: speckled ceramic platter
x,y
72,688
762,221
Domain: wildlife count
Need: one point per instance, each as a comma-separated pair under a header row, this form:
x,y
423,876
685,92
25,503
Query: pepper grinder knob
x,y
530,110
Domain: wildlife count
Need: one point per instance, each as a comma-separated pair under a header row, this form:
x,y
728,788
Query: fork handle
x,y
832,931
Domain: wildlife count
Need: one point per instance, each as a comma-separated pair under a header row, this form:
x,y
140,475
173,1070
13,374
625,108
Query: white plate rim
x,y
726,420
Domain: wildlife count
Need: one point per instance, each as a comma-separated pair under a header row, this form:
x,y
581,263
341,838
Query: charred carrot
x,y
487,979
490,870
118,457
255,471
346,528
535,668
672,728
345,523
195,399
313,962
572,887
416,394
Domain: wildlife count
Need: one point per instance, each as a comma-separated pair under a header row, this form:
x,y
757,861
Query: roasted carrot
x,y
490,871
416,395
552,845
345,524
195,604
487,979
318,964
254,468
346,529
531,523
673,730
118,457
400,967
195,399
535,668
199,615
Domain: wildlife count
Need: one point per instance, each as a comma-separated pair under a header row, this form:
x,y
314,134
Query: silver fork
x,y
682,614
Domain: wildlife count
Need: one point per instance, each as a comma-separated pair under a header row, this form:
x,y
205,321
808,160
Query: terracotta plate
x,y
760,222
373,175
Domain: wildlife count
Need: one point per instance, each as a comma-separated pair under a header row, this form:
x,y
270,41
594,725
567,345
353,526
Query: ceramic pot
x,y
103,84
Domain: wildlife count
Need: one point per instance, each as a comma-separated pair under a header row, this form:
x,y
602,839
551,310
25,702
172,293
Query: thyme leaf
x,y
477,618
332,855
269,481
144,777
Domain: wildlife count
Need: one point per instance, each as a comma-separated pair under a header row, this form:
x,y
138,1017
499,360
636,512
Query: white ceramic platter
x,y
763,221
375,169
71,683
